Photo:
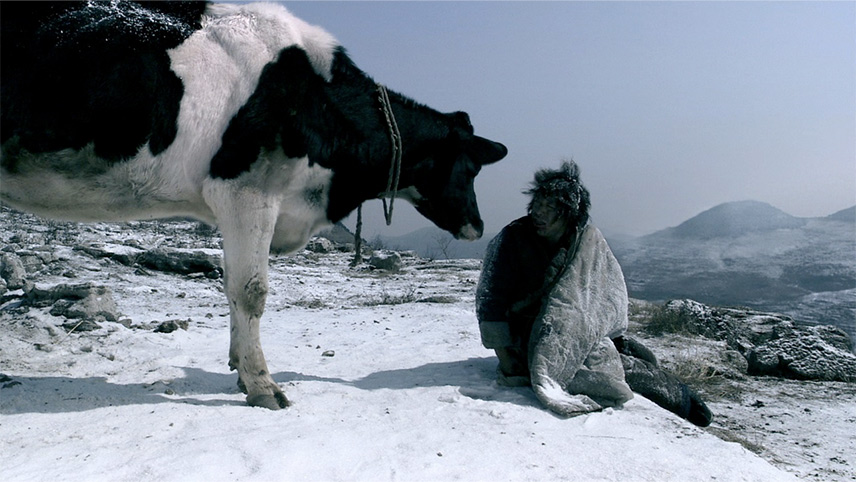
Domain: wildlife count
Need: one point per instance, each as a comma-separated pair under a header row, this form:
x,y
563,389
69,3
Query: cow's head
x,y
443,178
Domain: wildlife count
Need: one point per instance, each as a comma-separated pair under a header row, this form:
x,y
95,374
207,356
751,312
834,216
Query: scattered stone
x,y
181,262
320,245
12,271
329,353
172,325
126,255
43,297
385,260
166,260
74,301
43,347
439,299
80,326
32,263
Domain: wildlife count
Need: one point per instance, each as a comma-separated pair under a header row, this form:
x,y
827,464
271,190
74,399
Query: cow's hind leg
x,y
247,220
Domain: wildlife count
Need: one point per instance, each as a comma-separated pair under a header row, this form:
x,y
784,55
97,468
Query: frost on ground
x,y
385,370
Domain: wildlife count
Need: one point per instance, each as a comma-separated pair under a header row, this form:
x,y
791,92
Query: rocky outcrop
x,y
12,271
84,302
385,260
321,245
176,261
771,343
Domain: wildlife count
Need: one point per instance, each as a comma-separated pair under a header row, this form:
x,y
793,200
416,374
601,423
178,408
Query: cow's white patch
x,y
295,192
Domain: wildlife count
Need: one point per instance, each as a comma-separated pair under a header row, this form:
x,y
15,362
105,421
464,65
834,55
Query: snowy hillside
x,y
385,371
751,254
733,220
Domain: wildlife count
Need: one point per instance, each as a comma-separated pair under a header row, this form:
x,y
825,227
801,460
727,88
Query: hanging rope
x,y
395,165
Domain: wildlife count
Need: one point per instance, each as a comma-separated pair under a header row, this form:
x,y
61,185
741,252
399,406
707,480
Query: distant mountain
x,y
338,233
734,219
847,215
751,254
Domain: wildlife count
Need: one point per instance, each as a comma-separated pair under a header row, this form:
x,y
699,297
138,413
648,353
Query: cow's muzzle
x,y
469,233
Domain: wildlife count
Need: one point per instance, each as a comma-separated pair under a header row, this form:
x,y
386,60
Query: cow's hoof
x,y
271,402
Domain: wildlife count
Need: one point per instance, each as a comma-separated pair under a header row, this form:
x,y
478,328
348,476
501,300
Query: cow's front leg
x,y
247,223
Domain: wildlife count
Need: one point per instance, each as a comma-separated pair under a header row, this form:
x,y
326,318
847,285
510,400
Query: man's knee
x,y
634,348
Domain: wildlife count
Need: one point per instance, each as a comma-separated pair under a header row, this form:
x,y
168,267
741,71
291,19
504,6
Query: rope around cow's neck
x,y
395,165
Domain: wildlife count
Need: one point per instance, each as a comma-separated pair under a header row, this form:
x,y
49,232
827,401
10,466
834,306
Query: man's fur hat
x,y
564,186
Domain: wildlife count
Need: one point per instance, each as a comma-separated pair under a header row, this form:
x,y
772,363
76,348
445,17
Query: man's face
x,y
545,216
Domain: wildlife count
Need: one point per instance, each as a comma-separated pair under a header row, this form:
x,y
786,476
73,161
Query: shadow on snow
x,y
474,378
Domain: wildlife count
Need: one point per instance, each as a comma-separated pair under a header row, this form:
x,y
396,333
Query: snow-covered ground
x,y
387,379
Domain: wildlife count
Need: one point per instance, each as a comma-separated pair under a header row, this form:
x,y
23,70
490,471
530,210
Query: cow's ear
x,y
485,151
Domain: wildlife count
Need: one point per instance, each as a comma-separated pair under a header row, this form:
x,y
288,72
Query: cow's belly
x,y
295,227
304,192
78,186
293,195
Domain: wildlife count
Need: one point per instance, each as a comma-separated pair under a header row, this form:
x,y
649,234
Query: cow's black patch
x,y
298,110
273,111
336,124
75,73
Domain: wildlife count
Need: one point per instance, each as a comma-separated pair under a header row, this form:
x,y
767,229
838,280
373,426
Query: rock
x,y
28,238
773,344
31,261
320,245
742,329
84,300
181,262
126,255
12,271
172,325
44,253
834,336
96,305
41,297
166,260
803,356
80,325
385,260
734,364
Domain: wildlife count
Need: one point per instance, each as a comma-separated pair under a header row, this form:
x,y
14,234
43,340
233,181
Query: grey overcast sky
x,y
669,108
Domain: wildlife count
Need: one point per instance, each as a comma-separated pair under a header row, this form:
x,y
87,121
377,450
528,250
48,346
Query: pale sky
x,y
669,108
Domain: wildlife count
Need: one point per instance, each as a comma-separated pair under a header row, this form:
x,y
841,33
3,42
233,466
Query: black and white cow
x,y
240,115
